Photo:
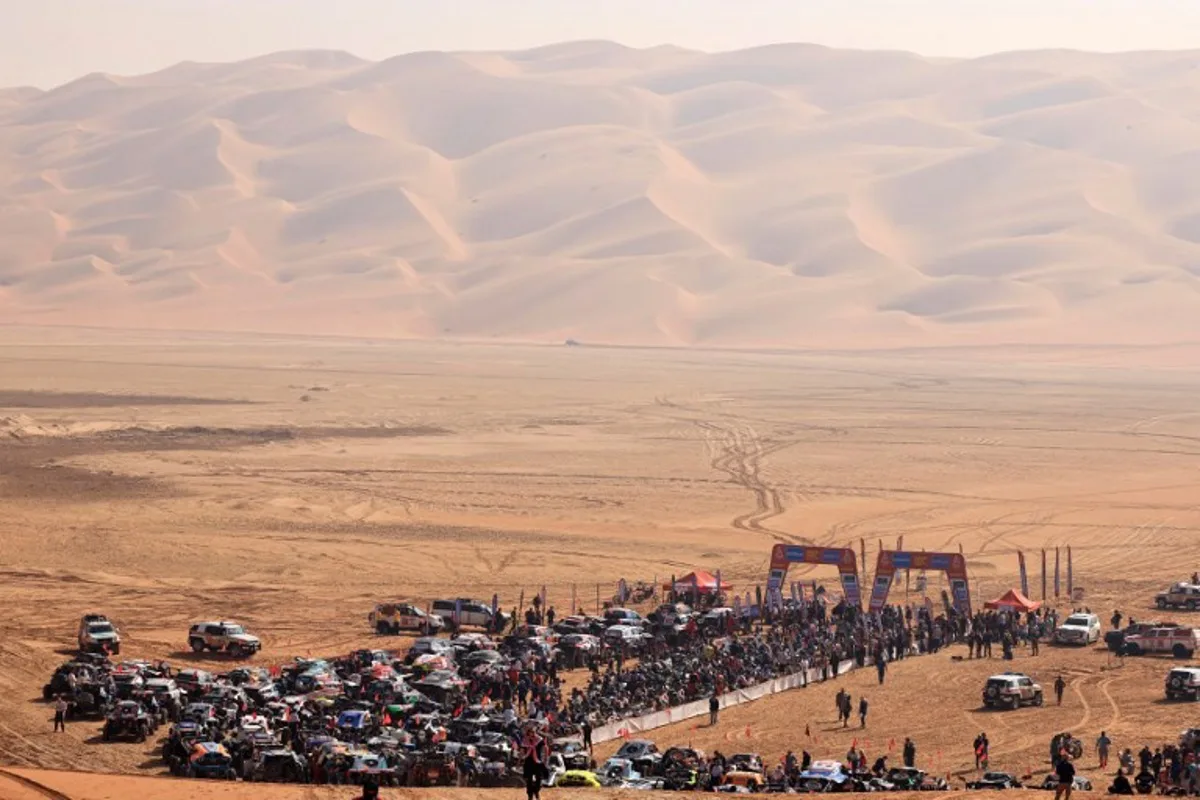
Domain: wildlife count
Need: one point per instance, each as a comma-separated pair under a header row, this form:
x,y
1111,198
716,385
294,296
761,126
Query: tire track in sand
x,y
739,454
34,786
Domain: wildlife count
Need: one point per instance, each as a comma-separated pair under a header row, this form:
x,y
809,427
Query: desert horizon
x,y
765,198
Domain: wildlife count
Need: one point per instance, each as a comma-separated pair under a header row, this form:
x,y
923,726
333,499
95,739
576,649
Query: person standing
x,y
714,709
862,712
586,727
1066,779
1059,687
840,701
910,753
1102,745
880,666
60,714
1116,620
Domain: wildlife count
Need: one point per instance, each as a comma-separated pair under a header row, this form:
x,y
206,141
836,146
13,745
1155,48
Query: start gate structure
x,y
953,564
784,555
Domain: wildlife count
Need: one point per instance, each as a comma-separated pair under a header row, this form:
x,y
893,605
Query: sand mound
x,y
783,196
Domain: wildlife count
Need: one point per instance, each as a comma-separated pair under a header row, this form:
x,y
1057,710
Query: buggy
x,y
127,718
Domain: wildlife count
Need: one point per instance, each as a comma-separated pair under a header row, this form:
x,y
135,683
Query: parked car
x,y
1115,640
632,637
1183,683
470,613
223,637
395,617
1179,642
1180,595
1011,690
1080,629
97,634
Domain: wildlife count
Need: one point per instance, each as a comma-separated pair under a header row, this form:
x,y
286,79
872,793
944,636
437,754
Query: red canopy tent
x,y
1012,600
701,581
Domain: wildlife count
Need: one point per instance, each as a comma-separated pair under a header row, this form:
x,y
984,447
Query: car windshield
x,y
234,630
1080,621
100,627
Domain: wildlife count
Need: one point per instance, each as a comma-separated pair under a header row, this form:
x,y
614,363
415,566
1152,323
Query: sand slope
x,y
784,196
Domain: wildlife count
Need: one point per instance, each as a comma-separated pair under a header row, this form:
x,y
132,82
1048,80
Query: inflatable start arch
x,y
953,564
784,555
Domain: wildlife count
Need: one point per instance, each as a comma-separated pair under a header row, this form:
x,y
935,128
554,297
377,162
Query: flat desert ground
x,y
290,484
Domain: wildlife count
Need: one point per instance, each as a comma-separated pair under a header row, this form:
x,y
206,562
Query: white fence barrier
x,y
699,708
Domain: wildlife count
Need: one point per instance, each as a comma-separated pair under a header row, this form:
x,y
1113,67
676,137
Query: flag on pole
x,y
717,597
1057,593
1024,575
572,599
1043,574
1070,575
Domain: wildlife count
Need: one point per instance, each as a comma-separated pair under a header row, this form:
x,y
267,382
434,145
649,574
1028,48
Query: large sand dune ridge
x,y
783,196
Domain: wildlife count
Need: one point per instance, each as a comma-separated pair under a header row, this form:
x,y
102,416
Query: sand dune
x,y
784,196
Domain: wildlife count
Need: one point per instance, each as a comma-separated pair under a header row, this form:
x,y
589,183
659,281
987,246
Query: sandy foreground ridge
x,y
292,484
785,196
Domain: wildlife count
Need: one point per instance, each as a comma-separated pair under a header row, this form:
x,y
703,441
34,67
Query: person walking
x,y
60,714
862,712
880,666
714,710
910,753
1102,745
840,701
1059,687
535,752
586,728
1066,779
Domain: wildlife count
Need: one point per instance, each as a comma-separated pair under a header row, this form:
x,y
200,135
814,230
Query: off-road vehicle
x,y
1180,595
98,635
395,617
127,718
1081,629
1011,690
223,637
1178,642
1183,683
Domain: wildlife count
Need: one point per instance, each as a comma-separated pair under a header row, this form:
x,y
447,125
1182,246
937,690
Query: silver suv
x,y
1183,683
1011,690
223,637
97,634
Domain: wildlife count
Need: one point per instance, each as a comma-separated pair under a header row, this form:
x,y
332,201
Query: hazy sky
x,y
47,42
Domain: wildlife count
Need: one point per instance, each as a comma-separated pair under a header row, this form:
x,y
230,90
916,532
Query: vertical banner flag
x,y
544,599
862,547
573,600
521,607
1070,575
1057,592
495,606
1043,574
598,606
622,588
457,612
795,594
717,596
1024,574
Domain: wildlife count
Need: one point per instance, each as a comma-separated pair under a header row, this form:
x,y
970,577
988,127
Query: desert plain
x,y
291,483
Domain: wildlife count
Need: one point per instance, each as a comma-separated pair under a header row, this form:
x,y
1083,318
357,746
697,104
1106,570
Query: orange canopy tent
x,y
1012,600
701,581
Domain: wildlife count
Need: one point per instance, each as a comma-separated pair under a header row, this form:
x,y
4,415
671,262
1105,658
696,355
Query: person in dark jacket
x,y
714,709
1066,779
910,753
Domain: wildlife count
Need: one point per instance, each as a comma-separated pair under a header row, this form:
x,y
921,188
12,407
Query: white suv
x,y
1081,629
98,635
1011,690
223,637
1183,683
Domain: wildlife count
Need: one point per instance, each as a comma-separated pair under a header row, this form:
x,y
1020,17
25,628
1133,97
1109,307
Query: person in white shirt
x,y
60,714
